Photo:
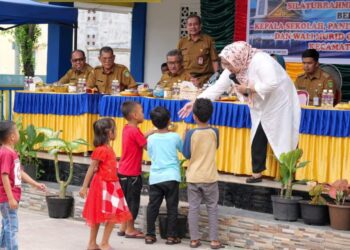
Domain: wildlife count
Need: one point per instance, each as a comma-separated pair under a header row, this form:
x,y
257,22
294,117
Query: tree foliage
x,y
26,37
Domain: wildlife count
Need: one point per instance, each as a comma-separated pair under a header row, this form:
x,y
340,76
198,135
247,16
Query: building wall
x,y
9,59
100,28
163,33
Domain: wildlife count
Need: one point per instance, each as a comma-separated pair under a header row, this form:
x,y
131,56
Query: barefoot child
x,y
10,184
105,201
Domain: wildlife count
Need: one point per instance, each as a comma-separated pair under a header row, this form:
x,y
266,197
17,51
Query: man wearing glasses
x,y
176,73
80,69
102,76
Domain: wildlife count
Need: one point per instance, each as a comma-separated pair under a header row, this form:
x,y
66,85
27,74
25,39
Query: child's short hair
x,y
101,130
203,109
6,128
128,107
160,117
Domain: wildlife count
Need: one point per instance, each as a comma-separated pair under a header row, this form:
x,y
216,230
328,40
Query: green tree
x,y
26,38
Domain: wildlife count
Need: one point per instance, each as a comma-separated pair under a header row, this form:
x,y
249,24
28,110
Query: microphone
x,y
234,78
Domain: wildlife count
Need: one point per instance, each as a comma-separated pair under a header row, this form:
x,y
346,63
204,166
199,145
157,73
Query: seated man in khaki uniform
x,y
176,71
198,51
102,76
314,80
80,69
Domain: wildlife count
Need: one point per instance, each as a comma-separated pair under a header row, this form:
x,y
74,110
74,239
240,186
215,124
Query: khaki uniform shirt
x,y
72,75
103,81
315,84
198,56
168,79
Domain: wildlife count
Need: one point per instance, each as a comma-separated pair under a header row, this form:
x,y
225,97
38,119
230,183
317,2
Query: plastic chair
x,y
303,97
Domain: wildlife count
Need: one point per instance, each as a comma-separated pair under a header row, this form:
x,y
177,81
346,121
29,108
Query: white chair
x,y
303,97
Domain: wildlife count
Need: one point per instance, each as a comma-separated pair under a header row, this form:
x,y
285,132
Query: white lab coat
x,y
275,103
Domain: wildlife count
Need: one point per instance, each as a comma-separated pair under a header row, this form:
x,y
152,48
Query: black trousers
x,y
170,191
259,150
131,186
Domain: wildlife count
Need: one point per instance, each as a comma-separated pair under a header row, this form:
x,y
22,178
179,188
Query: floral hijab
x,y
239,54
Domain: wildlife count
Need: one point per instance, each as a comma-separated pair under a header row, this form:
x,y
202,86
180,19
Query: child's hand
x,y
13,204
40,186
83,192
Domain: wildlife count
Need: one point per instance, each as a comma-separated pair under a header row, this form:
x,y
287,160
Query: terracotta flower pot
x,y
339,216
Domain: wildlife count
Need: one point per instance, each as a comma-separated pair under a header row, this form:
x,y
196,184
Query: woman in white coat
x,y
271,95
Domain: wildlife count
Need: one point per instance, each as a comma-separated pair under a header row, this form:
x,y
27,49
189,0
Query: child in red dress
x,y
105,201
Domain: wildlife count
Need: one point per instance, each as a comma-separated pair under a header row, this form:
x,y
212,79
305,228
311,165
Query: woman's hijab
x,y
239,55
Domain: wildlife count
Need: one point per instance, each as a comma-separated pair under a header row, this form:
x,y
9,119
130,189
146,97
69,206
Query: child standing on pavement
x,y
130,165
163,147
200,147
10,184
105,201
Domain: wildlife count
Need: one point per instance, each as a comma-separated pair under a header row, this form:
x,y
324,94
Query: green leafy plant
x,y
29,141
55,145
339,191
289,163
183,183
316,193
26,37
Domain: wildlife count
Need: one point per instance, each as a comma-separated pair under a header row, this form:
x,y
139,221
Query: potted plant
x,y
339,212
285,206
182,227
29,141
315,212
60,206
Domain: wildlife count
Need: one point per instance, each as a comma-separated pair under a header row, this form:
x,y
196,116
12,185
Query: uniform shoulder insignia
x,y
126,73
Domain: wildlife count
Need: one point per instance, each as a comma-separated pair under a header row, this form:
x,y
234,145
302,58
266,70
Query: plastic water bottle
x,y
26,83
316,99
324,98
83,87
115,87
79,85
330,98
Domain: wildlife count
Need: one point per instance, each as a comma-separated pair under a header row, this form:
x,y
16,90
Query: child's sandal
x,y
150,239
173,240
195,243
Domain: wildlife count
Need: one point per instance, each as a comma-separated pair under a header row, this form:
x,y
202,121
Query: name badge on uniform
x,y
200,60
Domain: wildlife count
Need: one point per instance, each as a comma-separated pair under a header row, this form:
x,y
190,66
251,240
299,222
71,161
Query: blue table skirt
x,y
225,114
325,122
313,121
57,104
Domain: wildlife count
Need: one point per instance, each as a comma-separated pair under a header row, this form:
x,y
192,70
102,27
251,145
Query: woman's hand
x,y
186,110
241,88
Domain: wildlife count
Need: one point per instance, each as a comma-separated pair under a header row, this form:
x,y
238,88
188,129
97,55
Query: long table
x,y
74,114
324,134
